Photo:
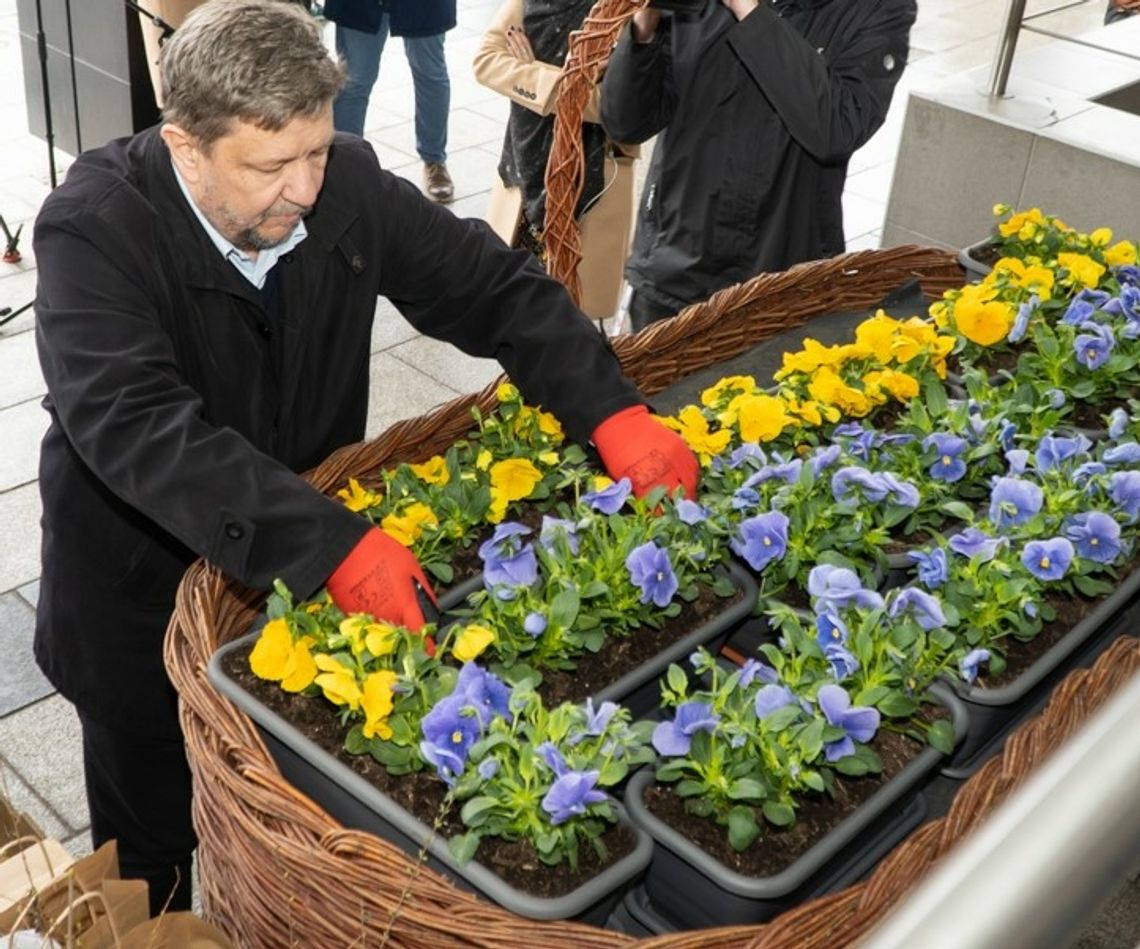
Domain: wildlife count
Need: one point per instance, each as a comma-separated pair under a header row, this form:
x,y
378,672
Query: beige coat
x,y
607,223
173,12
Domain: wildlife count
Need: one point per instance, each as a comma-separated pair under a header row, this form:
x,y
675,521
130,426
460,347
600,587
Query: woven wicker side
x,y
275,868
588,52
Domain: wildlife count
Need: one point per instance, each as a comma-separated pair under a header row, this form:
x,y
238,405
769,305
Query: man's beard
x,y
252,238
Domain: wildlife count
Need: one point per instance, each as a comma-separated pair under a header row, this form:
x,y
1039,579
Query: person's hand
x,y
741,8
644,25
518,44
379,576
632,444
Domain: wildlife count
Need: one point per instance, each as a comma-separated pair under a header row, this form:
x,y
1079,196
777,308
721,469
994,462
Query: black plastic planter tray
x,y
993,713
356,803
970,259
689,889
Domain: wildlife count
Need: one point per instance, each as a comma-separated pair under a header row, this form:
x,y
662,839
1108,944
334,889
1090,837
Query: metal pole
x,y
41,49
1007,46
1045,860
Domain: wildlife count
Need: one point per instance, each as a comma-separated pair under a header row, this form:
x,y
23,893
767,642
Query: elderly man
x,y
206,295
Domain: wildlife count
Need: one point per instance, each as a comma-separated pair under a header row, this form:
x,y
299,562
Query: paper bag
x,y
176,931
31,866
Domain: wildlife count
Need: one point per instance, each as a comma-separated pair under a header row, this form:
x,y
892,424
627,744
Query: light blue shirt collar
x,y
254,269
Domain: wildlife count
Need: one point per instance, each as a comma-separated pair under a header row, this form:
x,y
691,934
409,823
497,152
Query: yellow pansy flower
x,y
549,458
376,703
980,318
940,312
276,657
693,428
827,387
1024,224
811,412
483,459
432,471
899,385
380,638
337,682
498,509
601,482
1121,253
727,387
506,392
877,334
1100,237
407,526
813,355
471,642
1083,270
514,478
548,424
358,498
760,418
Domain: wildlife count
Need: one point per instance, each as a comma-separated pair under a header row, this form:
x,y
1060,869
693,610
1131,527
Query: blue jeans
x,y
361,53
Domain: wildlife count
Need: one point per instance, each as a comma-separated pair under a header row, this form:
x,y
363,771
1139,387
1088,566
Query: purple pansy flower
x,y
1090,469
1014,501
1126,453
690,512
1124,490
1117,423
1096,536
755,669
571,794
843,661
673,738
650,570
1021,323
744,499
823,458
1053,450
761,539
609,499
903,493
484,692
747,452
1018,461
858,723
830,628
971,661
1048,559
848,483
1079,311
448,735
1007,434
933,567
1094,345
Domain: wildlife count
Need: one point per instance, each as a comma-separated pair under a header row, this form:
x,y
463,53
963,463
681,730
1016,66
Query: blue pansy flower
x,y
858,723
1089,469
488,768
744,499
1048,559
849,482
755,669
1128,275
484,692
650,570
1014,501
1018,461
1006,434
507,561
926,609
609,499
830,628
1126,453
933,567
971,661
771,698
949,465
747,452
535,624
1078,312
571,794
1094,345
449,732
1053,450
1021,322
1117,423
842,660
761,539
1096,536
972,542
555,528
833,588
902,493
673,738
847,430
1126,305
690,512
1056,398
823,458
1124,490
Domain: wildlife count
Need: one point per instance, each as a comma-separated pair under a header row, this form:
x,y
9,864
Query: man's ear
x,y
184,150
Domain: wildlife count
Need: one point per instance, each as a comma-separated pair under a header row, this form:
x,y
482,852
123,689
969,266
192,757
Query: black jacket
x,y
405,17
182,404
758,119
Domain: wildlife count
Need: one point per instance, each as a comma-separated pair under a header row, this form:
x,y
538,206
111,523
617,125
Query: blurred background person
x,y
759,107
1120,10
362,27
521,56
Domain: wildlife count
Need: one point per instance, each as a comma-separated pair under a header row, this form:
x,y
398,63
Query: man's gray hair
x,y
258,61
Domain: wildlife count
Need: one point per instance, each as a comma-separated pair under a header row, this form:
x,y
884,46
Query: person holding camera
x,y
204,309
757,107
1120,10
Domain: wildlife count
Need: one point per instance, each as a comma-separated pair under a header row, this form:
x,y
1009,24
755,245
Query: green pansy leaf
x,y
940,735
742,828
897,705
463,847
564,608
779,813
747,789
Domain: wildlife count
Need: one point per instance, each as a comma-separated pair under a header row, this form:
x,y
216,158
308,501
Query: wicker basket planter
x,y
276,868
690,889
993,713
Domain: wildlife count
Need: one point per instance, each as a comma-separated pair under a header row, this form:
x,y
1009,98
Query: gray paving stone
x,y
21,429
398,392
20,377
80,844
43,744
31,593
390,328
20,538
21,682
447,365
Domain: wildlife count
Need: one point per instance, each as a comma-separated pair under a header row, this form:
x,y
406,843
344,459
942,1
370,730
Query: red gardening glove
x,y
634,445
379,576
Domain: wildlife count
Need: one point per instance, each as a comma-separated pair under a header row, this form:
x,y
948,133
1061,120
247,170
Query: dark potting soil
x,y
422,794
817,814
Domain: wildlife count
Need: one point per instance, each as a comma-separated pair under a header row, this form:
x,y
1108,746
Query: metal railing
x,y
1042,864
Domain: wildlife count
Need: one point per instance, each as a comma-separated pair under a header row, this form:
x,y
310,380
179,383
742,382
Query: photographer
x,y
759,108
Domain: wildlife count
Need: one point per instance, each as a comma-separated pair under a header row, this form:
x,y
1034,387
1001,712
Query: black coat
x,y
405,17
180,408
758,119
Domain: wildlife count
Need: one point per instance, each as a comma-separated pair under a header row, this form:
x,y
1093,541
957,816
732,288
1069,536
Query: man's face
x,y
254,185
